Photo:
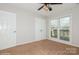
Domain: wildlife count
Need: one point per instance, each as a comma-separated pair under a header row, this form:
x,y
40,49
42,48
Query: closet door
x,y
40,29
43,29
7,29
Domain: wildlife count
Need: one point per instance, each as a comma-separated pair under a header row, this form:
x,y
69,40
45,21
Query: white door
x,y
40,29
7,29
43,29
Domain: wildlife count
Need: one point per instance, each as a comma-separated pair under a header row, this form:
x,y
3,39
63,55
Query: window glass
x,y
54,28
54,23
64,28
64,22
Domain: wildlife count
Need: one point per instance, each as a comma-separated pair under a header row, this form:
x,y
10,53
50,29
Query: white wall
x,y
25,27
75,26
74,14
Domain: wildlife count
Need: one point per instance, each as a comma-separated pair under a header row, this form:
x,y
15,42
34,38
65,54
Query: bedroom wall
x,y
74,29
25,27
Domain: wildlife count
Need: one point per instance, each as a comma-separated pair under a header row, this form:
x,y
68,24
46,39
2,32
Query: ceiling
x,y
32,7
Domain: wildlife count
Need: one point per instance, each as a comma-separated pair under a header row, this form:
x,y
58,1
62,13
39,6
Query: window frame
x,y
63,27
70,29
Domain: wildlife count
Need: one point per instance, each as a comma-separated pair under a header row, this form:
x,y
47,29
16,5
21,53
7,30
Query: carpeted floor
x,y
43,47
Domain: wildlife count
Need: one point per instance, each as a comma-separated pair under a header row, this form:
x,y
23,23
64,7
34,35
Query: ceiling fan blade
x,y
41,7
55,3
52,3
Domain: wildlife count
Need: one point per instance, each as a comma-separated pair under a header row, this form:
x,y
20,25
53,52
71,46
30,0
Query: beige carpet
x,y
43,47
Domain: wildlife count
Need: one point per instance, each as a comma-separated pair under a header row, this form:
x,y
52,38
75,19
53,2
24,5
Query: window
x,y
54,27
62,26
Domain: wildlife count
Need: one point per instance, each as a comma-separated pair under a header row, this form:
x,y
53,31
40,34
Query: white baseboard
x,y
20,44
7,47
64,42
27,42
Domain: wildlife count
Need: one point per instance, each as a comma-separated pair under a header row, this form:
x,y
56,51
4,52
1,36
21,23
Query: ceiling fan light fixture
x,y
45,8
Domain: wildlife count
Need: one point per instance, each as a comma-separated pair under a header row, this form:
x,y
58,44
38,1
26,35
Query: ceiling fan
x,y
46,6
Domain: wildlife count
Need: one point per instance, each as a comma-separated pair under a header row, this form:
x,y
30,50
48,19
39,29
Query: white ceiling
x,y
32,7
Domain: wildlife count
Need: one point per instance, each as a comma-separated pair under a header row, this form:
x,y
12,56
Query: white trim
x,y
8,47
28,42
70,29
21,44
64,42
